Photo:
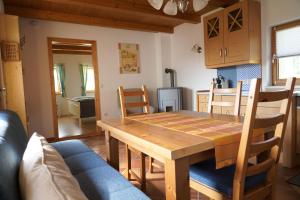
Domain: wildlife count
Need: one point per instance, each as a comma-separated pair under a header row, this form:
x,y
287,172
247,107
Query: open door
x,y
75,87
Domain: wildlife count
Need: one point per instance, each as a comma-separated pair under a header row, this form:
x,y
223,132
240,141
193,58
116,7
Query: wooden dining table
x,y
177,150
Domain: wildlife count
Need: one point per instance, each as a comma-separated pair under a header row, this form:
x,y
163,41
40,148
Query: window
x,y
90,82
56,81
286,52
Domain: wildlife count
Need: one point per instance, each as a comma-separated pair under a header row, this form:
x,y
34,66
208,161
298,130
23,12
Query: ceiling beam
x,y
128,7
71,52
70,47
79,19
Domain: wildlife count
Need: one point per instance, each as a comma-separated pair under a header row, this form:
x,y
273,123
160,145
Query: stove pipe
x,y
172,76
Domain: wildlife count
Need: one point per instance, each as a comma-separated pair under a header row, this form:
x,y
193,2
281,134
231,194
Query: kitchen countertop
x,y
244,93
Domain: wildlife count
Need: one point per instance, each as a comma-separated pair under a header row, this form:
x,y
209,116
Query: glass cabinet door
x,y
214,38
236,36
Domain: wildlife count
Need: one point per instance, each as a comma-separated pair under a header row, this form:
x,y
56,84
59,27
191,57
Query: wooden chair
x,y
145,106
237,92
243,180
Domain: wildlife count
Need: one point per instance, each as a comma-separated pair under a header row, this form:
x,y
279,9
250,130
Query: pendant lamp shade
x,y
199,4
170,8
157,4
182,5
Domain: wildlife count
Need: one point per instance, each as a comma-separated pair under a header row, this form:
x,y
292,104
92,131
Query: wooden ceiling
x,y
124,14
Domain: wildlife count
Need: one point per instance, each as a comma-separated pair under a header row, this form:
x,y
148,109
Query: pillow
x,y
44,174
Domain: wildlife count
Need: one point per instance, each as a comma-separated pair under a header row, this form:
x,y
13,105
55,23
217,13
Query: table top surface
x,y
169,143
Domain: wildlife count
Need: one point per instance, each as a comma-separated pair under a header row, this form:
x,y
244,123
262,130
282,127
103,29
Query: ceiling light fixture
x,y
172,6
157,4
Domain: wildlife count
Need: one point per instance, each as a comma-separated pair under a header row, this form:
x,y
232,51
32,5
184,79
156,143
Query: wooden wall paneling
x,y
13,71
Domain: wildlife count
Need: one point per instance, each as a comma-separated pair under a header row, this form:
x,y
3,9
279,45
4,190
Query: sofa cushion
x,y
97,179
84,161
221,180
44,174
105,181
70,147
13,141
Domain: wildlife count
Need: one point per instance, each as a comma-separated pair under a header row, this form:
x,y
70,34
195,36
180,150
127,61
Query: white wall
x,y
191,72
71,63
190,68
274,12
37,79
1,7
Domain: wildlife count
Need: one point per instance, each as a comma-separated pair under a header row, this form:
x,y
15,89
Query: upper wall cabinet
x,y
232,36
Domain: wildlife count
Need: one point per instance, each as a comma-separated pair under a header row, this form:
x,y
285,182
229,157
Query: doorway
x,y
74,75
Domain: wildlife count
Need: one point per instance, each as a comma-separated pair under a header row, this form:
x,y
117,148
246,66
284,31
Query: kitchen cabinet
x,y
233,36
214,38
291,150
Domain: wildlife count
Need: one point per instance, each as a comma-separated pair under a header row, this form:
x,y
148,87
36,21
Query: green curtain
x,y
62,75
83,76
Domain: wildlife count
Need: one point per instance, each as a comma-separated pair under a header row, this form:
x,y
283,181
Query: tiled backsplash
x,y
230,74
241,72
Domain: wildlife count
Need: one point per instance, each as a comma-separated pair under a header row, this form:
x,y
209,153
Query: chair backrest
x,y
248,148
144,104
237,92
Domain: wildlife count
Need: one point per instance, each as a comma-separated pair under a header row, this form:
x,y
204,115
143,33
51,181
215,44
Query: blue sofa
x,y
97,179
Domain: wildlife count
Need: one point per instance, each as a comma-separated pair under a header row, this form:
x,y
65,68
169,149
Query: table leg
x,y
143,171
112,150
128,162
177,179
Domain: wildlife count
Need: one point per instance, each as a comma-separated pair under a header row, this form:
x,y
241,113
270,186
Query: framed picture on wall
x,y
129,58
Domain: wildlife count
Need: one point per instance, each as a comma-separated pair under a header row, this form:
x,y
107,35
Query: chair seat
x,y
221,180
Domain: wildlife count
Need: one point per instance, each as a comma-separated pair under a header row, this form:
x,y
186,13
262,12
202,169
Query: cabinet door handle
x,y
225,51
221,52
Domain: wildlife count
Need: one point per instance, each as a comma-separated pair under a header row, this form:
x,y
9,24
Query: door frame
x,y
53,93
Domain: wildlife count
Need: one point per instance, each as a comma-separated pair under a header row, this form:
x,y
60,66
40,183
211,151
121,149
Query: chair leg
x,y
150,164
143,172
128,163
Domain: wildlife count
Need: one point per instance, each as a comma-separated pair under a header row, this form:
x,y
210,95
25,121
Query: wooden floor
x,y
69,126
155,181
